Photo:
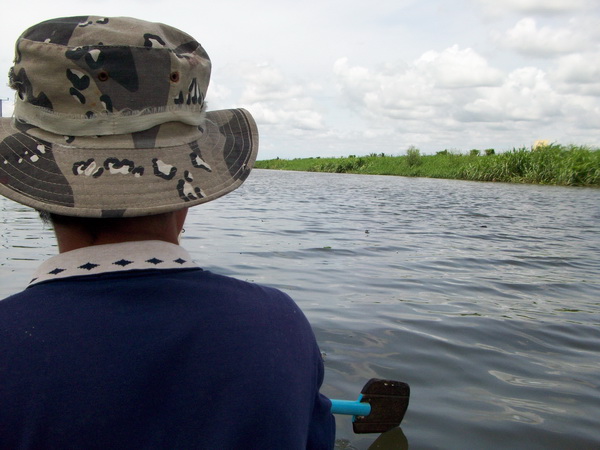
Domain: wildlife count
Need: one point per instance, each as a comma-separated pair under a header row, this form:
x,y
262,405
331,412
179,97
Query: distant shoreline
x,y
551,164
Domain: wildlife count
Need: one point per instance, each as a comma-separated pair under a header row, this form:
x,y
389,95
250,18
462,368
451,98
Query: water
x,y
485,298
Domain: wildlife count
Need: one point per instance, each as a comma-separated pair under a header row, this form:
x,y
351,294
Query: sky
x,y
337,78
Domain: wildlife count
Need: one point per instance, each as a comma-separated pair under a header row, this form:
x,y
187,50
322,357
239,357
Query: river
x,y
484,297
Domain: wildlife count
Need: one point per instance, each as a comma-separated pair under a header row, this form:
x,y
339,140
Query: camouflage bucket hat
x,y
110,122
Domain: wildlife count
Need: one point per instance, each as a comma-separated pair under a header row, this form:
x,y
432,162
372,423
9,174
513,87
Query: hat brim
x,y
65,179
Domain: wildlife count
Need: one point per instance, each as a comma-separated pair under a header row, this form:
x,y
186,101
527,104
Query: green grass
x,y
552,164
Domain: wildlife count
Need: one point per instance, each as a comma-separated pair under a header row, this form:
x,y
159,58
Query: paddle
x,y
380,407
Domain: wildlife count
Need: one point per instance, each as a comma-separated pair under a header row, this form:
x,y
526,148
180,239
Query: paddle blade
x,y
388,400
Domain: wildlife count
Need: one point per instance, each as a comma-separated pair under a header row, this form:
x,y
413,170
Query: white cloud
x,y
578,74
525,95
266,83
456,96
535,6
579,68
276,100
286,118
546,41
218,95
418,72
392,92
416,91
456,68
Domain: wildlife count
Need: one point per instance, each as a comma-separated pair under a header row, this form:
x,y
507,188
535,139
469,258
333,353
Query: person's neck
x,y
75,242
74,234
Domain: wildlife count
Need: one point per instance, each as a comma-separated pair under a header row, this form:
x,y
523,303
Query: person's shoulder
x,y
272,300
16,311
227,282
13,300
249,289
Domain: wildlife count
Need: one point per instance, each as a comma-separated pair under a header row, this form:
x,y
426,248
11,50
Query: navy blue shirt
x,y
151,358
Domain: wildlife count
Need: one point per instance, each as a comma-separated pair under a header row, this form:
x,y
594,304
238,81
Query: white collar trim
x,y
114,258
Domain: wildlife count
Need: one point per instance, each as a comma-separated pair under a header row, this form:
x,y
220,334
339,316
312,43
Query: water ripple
x,y
483,297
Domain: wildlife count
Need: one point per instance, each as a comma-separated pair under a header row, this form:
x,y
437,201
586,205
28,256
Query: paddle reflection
x,y
393,439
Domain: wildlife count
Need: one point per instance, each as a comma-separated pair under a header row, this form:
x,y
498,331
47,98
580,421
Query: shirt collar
x,y
114,258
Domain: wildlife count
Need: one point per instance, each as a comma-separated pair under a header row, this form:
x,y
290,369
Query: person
x,y
121,340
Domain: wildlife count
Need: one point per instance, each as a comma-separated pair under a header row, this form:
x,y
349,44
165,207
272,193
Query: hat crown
x,y
85,76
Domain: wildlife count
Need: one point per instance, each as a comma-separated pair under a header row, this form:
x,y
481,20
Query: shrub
x,y
413,156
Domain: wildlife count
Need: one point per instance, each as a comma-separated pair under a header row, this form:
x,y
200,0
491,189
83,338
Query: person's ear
x,y
180,216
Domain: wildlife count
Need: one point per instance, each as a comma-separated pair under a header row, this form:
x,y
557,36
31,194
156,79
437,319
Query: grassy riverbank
x,y
552,164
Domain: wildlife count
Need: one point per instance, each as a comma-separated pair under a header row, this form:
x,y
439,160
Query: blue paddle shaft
x,y
350,407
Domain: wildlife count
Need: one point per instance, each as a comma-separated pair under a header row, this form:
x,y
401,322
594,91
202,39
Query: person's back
x,y
121,341
158,358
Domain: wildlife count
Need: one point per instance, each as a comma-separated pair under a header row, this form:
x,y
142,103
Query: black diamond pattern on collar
x,y
154,261
123,262
119,258
88,266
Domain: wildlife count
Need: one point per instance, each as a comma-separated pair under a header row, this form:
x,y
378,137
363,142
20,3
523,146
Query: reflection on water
x,y
483,297
393,439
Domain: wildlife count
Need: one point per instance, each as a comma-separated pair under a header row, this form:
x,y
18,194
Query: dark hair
x,y
45,216
93,225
